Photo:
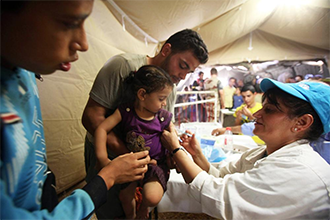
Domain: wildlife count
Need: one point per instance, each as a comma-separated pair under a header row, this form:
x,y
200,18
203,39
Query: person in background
x,y
237,98
309,77
187,110
229,92
213,84
322,146
249,79
198,85
285,77
240,83
318,77
292,115
258,97
40,37
181,54
245,112
299,78
143,120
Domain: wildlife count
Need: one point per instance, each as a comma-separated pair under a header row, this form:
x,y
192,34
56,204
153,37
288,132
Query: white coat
x,y
292,182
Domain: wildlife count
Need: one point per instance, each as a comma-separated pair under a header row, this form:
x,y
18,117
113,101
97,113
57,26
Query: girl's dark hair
x,y
297,107
188,39
149,77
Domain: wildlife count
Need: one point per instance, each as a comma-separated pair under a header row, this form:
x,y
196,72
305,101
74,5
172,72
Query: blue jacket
x,y
23,157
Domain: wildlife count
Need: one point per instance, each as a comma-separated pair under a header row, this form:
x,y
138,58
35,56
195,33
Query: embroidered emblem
x,y
162,119
304,86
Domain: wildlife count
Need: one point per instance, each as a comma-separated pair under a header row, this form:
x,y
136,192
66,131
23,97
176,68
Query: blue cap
x,y
316,93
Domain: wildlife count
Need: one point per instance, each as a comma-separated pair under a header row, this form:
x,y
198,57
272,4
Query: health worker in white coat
x,y
285,179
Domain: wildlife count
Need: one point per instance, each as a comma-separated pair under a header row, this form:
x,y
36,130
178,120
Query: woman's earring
x,y
295,129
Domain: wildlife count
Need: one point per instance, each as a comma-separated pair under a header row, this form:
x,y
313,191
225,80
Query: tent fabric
x,y
275,30
223,23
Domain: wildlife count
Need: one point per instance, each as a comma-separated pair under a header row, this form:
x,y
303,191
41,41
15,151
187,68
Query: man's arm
x,y
222,99
83,202
235,129
221,94
93,116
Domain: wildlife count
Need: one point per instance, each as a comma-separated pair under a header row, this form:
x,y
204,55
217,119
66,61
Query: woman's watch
x,y
176,150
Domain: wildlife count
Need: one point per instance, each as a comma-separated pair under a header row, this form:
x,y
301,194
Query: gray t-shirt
x,y
108,85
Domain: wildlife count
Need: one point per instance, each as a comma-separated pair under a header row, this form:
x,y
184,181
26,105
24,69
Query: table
x,y
176,198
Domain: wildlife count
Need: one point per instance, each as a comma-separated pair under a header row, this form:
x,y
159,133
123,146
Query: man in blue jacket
x,y
40,37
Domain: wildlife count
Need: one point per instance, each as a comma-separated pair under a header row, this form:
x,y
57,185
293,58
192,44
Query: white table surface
x,y
176,198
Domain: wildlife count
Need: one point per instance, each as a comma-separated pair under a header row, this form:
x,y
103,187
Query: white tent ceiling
x,y
278,30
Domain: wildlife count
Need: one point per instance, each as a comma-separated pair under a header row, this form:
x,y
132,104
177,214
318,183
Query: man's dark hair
x,y
232,78
214,71
248,87
188,39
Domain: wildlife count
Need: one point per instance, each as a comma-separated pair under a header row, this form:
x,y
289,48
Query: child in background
x,y
244,113
229,92
142,119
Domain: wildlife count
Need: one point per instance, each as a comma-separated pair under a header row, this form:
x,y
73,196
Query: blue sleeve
x,y
79,205
247,128
322,146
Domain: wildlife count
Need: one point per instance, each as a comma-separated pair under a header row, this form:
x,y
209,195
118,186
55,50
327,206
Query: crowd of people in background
x,y
229,96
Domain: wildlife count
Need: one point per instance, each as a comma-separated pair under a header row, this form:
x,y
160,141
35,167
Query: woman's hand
x,y
170,138
186,166
191,144
126,168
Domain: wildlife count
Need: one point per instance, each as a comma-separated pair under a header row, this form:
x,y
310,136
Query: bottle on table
x,y
228,139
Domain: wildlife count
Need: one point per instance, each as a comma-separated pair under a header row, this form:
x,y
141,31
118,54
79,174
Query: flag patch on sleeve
x,y
10,118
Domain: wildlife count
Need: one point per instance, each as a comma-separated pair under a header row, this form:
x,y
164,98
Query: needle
x,y
189,135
